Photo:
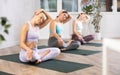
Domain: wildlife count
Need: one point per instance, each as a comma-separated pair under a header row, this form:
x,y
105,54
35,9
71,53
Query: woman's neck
x,y
33,22
80,20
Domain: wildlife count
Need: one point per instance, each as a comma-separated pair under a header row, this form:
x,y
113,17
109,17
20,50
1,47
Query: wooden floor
x,y
22,69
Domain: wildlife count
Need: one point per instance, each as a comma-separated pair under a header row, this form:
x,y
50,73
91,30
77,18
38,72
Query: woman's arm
x,y
69,18
74,30
23,34
47,20
53,30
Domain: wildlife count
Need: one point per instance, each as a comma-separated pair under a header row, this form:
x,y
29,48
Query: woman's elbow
x,y
21,45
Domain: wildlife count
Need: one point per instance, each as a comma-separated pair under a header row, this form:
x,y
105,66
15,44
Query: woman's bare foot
x,y
38,61
69,42
63,49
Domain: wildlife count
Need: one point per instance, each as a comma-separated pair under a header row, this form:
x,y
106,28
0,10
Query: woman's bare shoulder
x,y
25,26
53,22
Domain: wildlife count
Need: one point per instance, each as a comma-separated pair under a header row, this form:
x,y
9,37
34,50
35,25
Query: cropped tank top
x,y
79,27
33,33
59,29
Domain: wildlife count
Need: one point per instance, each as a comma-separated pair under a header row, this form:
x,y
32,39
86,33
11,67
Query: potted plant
x,y
88,9
97,19
94,11
4,26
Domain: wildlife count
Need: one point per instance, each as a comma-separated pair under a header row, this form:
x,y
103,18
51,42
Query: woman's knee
x,y
57,51
77,43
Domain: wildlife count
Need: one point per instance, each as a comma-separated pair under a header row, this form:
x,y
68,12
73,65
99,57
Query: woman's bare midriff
x,y
52,35
31,44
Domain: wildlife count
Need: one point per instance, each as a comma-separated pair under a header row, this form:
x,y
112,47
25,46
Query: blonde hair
x,y
87,16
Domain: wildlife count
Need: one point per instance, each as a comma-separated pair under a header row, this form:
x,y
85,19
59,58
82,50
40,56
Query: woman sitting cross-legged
x,y
78,29
29,39
56,29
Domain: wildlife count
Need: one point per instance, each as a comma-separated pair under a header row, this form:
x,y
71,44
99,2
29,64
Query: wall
x,y
17,12
110,25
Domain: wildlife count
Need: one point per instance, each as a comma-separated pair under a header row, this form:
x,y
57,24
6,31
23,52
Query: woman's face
x,y
83,17
64,16
40,18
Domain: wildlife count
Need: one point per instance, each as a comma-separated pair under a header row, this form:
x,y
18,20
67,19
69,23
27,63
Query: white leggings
x,y
52,54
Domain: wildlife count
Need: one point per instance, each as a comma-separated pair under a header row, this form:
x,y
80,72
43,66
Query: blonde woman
x,y
78,29
29,39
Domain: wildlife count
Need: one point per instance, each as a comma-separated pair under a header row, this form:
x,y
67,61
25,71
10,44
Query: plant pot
x,y
97,36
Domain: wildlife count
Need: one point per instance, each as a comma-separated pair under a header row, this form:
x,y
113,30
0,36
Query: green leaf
x,y
2,37
3,20
6,31
88,9
7,26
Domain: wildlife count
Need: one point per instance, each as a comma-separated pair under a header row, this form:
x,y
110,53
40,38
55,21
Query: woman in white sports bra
x,y
78,29
29,38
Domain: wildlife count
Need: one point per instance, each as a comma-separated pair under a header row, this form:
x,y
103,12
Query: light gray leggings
x,y
52,54
53,42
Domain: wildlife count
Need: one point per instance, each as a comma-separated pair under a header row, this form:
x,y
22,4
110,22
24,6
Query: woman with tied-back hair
x,y
78,29
56,29
29,38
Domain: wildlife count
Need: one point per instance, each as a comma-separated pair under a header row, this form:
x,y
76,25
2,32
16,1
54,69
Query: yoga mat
x,y
4,73
54,64
42,46
89,44
76,51
81,52
93,44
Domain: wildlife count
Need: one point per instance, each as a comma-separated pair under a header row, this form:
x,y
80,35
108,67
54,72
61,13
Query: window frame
x,y
59,7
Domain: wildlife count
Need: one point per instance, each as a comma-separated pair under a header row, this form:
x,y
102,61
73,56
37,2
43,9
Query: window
x,y
109,5
85,3
49,5
103,6
77,5
118,5
70,5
